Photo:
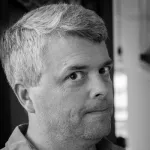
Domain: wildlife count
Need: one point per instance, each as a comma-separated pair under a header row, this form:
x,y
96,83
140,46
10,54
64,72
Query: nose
x,y
99,87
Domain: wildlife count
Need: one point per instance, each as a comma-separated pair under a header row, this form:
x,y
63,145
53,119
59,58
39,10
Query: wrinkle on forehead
x,y
63,51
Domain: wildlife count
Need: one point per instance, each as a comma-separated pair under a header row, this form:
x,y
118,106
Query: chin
x,y
97,131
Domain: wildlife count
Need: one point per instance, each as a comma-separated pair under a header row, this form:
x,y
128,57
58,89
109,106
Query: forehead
x,y
71,50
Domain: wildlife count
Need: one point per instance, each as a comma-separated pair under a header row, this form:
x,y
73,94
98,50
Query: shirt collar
x,y
18,140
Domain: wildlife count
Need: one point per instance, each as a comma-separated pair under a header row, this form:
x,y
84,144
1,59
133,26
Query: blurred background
x,y
128,24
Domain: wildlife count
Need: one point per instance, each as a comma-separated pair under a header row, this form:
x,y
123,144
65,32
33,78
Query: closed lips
x,y
99,110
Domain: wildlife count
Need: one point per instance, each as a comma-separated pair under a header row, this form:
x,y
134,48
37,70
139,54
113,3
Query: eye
x,y
76,75
105,70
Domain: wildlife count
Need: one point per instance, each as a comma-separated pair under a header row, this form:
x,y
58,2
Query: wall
x,y
133,19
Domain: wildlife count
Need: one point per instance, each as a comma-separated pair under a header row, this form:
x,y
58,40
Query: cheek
x,y
46,102
110,93
75,98
60,104
74,103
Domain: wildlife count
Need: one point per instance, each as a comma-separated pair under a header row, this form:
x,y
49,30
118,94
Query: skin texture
x,y
72,105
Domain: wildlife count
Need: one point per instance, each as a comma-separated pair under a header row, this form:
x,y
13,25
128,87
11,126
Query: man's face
x,y
74,98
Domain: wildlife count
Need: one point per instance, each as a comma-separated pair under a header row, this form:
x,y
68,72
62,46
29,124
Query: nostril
x,y
97,95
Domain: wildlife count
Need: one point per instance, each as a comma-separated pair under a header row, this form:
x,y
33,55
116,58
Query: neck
x,y
45,140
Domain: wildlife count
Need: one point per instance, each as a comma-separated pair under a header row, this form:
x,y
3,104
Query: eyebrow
x,y
107,63
84,67
77,67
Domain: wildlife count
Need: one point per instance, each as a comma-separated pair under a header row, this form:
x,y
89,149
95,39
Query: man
x,y
56,61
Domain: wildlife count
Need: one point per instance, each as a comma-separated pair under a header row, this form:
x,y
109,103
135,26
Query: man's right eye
x,y
76,76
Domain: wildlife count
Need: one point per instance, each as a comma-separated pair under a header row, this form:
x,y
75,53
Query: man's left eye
x,y
105,70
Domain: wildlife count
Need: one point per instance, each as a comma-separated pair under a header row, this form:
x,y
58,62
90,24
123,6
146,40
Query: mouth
x,y
100,110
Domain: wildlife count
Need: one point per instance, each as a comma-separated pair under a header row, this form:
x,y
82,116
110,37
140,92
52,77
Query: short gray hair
x,y
22,44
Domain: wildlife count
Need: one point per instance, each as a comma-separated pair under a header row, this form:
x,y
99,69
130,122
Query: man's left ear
x,y
24,98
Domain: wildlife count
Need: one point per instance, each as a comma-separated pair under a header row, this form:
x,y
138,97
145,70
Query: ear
x,y
23,96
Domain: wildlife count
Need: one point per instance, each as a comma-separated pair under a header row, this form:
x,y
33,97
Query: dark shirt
x,y
18,141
